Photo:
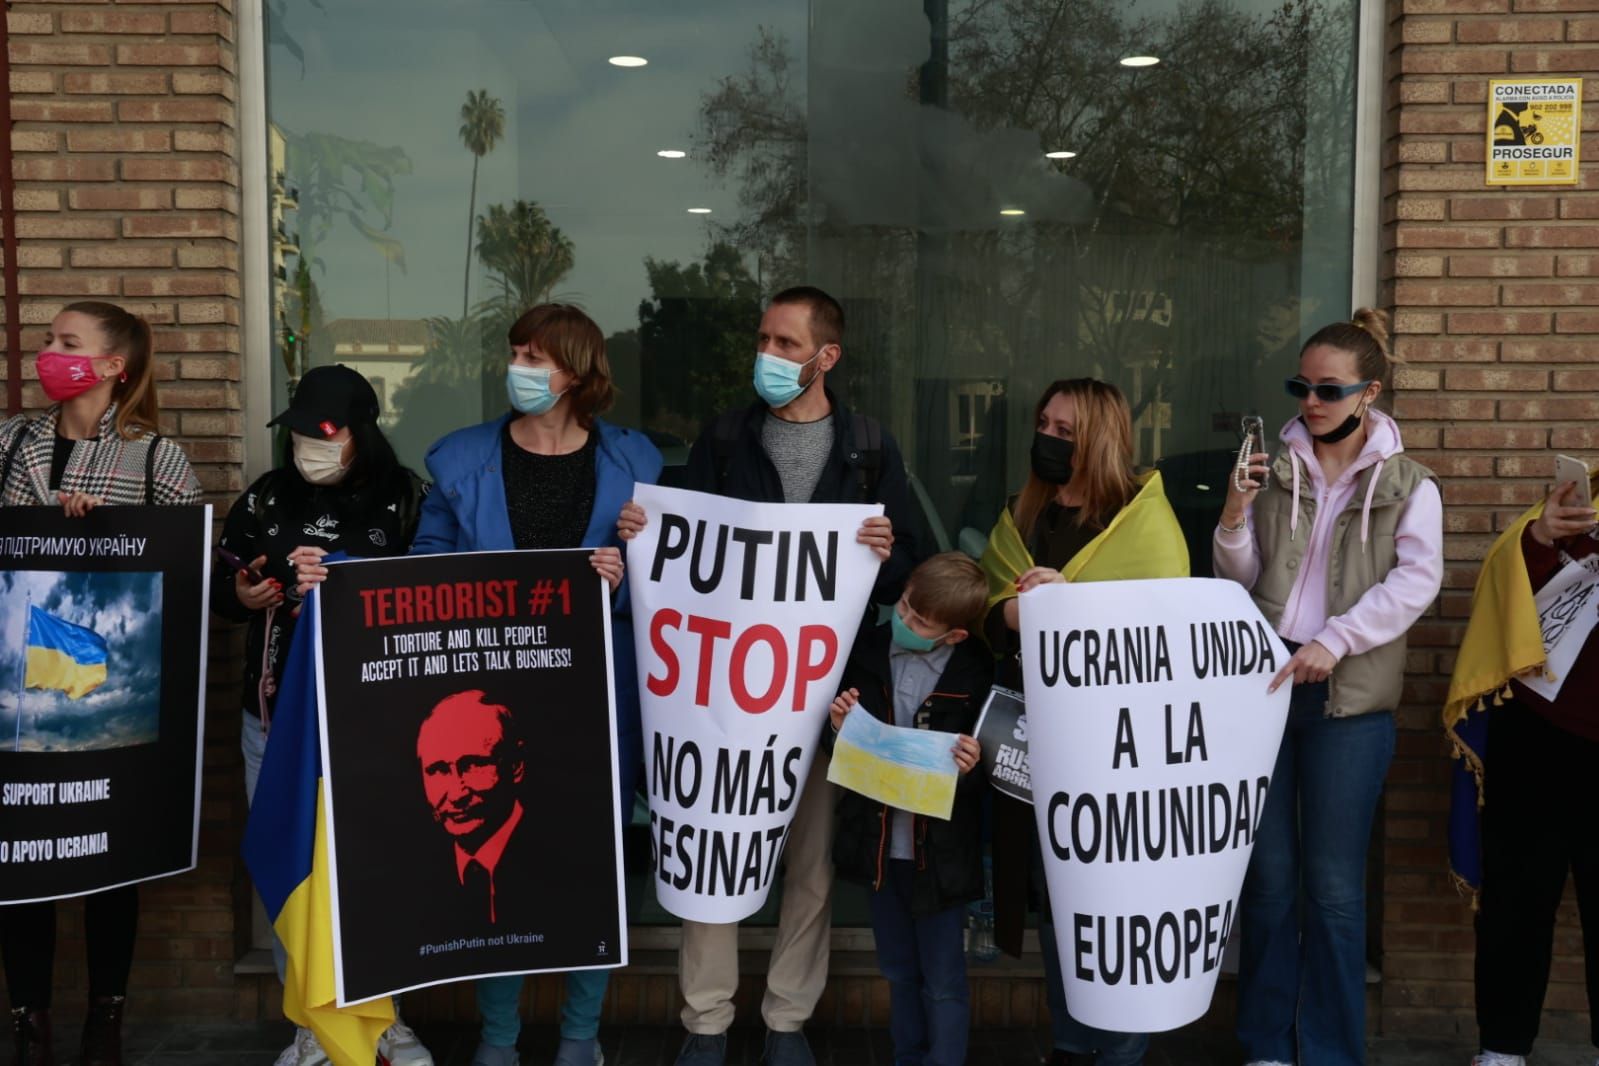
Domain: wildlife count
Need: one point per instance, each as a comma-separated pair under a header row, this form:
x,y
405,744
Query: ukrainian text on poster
x,y
469,756
102,687
1152,744
743,615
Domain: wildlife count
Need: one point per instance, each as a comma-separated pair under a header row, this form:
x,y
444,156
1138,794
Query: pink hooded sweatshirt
x,y
1388,608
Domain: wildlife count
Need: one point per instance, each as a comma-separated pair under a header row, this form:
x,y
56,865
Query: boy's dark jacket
x,y
949,855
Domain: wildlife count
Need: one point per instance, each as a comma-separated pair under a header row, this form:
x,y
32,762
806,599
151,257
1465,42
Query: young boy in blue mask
x,y
921,671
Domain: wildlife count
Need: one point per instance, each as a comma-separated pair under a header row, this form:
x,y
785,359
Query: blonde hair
x,y
129,336
573,339
948,588
1364,336
1102,461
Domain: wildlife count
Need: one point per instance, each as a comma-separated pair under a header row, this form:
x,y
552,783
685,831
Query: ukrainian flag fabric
x,y
1142,541
63,656
286,851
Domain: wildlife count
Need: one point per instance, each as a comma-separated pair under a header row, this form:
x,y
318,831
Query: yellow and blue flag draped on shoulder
x,y
63,656
1503,640
286,850
1142,541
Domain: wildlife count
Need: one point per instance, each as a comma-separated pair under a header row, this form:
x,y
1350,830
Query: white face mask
x,y
320,462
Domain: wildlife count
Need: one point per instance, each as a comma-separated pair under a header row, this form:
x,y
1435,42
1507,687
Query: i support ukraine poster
x,y
102,683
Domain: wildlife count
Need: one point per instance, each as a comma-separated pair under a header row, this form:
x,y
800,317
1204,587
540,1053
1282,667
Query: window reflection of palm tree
x,y
336,179
482,126
529,253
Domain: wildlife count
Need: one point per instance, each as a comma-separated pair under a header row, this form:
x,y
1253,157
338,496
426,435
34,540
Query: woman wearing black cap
x,y
338,487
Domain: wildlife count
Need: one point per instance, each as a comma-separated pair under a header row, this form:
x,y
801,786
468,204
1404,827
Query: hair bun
x,y
1375,322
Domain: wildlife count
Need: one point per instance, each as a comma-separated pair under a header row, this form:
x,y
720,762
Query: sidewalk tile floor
x,y
452,1045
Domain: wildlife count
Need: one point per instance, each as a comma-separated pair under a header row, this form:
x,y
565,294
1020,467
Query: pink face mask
x,y
64,376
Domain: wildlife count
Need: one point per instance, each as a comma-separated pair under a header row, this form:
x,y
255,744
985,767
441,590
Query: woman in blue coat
x,y
550,474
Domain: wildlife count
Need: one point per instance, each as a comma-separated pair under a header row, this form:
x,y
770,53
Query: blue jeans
x,y
1066,1032
499,1001
925,963
499,998
1069,1034
1302,972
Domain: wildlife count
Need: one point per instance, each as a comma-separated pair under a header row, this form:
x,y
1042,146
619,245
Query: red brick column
x,y
128,190
1495,295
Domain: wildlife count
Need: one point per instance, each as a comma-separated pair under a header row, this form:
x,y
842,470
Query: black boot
x,y
1071,1058
30,1030
102,1032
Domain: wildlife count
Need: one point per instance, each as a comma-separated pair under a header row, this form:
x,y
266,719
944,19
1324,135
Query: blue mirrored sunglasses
x,y
1326,392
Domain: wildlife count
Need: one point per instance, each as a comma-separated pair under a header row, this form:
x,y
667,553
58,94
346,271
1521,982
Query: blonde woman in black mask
x,y
1083,515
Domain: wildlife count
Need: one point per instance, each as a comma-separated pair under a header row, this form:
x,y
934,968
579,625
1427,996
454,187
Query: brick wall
x,y
1494,292
128,190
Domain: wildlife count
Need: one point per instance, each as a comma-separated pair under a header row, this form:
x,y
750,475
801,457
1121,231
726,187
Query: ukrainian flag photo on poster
x,y
80,668
63,656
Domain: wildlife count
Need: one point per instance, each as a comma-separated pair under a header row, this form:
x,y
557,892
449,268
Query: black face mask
x,y
1052,458
1345,428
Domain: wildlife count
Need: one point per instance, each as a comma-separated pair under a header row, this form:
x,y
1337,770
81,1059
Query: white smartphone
x,y
1569,469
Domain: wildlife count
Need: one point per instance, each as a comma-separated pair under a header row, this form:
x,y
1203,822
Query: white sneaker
x,y
398,1046
305,1051
1494,1058
1268,1062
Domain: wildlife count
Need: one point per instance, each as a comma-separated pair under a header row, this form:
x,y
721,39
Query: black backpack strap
x,y
11,458
149,469
867,455
726,433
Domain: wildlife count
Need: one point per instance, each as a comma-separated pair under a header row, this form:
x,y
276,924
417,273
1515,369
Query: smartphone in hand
x,y
238,565
1576,471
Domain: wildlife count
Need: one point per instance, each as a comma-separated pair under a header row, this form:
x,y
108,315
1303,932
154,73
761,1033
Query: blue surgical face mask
x,y
529,389
777,380
908,638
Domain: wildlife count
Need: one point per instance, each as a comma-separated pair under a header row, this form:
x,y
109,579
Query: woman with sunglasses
x,y
1340,541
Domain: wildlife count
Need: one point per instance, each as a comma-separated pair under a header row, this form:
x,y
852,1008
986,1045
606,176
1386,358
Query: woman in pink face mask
x,y
97,444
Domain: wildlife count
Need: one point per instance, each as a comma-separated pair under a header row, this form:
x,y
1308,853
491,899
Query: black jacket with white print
x,y
279,513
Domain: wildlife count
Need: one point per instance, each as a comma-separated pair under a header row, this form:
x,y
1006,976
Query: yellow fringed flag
x,y
1142,541
1503,641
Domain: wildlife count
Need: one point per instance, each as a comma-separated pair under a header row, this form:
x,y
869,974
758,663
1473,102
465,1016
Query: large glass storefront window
x,y
1000,192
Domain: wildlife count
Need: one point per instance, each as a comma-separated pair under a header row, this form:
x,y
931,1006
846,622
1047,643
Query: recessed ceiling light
x,y
1060,155
1130,61
1012,212
671,153
699,210
628,61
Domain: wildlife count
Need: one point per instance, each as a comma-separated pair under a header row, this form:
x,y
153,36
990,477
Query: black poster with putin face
x,y
469,763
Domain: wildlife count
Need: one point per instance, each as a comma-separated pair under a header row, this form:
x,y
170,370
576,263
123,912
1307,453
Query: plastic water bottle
x,y
983,949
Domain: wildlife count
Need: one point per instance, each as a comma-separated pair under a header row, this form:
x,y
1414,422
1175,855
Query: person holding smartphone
x,y
1535,793
98,445
337,487
1342,555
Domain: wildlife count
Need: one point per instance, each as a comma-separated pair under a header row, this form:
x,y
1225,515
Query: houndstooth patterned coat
x,y
109,466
